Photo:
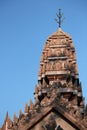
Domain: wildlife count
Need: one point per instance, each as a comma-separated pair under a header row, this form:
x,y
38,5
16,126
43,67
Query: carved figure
x,y
58,65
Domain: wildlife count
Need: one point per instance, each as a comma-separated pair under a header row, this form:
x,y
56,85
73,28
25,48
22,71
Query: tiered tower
x,y
59,101
58,60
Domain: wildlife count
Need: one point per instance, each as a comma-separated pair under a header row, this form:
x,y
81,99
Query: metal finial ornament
x,y
59,18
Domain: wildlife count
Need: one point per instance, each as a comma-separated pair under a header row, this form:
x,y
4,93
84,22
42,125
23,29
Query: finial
x,y
59,18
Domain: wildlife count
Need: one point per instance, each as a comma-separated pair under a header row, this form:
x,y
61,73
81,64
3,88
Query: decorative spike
x,y
20,112
31,105
15,118
9,123
6,117
26,108
5,124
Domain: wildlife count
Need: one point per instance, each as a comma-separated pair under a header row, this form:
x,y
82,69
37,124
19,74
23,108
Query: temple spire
x,y
59,18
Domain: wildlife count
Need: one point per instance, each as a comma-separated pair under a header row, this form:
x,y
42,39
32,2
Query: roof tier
x,y
58,57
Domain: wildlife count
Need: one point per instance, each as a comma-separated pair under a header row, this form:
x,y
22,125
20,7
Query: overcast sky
x,y
24,28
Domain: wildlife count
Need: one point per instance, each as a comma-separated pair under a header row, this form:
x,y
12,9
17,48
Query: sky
x,y
24,27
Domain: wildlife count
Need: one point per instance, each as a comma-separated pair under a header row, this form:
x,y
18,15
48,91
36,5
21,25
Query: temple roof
x,y
58,56
59,103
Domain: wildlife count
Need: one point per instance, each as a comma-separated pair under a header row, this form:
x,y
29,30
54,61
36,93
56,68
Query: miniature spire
x,y
6,121
15,118
9,123
20,114
26,109
59,18
6,118
31,105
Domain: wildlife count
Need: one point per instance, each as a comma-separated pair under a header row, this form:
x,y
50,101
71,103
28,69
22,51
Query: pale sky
x,y
24,27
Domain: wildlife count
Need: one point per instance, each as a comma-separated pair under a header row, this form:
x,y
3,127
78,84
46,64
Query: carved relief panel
x,y
53,121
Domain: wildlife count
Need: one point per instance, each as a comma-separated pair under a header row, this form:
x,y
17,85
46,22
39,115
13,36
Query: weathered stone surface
x,y
59,104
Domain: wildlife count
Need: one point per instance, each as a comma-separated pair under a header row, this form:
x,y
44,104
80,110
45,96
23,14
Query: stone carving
x,y
41,69
9,123
49,53
44,55
67,65
31,105
36,99
43,127
58,66
59,90
58,41
26,109
74,56
15,119
50,124
48,67
59,128
69,84
63,41
20,114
